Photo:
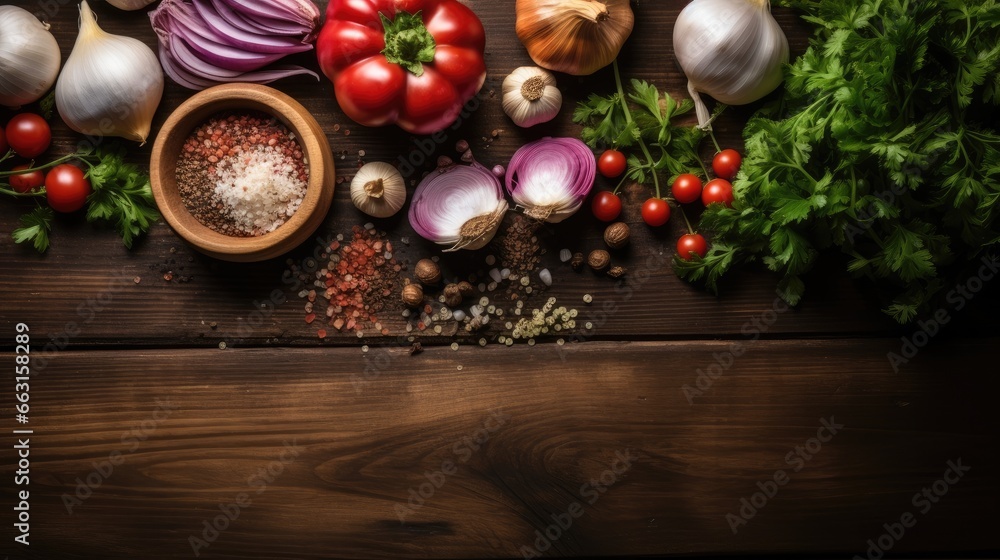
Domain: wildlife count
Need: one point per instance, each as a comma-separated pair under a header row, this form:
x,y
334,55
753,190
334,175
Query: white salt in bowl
x,y
250,97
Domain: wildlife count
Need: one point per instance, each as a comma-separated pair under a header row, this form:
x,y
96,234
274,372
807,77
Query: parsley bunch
x,y
122,197
882,147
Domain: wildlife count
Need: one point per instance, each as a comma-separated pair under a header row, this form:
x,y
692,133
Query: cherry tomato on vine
x,y
29,135
612,164
686,189
718,191
3,143
690,245
26,182
655,212
727,164
66,188
606,206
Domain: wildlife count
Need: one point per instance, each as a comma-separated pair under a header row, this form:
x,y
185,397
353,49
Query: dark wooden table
x,y
146,432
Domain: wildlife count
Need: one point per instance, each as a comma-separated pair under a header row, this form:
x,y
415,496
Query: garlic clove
x,y
577,37
111,85
378,190
530,96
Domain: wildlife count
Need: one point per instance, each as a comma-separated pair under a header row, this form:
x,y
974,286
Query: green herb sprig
x,y
122,197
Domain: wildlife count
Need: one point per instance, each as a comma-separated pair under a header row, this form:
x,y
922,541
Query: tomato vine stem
x,y
686,221
628,118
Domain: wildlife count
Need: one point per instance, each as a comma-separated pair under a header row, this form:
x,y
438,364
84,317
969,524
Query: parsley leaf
x,y
122,196
35,228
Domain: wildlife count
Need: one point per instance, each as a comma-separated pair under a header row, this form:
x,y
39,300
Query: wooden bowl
x,y
234,97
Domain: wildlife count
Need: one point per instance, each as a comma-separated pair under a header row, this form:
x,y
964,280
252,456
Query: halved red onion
x,y
550,178
460,207
204,42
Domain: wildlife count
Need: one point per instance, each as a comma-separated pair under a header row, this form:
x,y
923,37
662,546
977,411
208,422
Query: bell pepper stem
x,y
407,42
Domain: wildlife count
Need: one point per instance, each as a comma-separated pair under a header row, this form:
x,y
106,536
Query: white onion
x,y
29,57
111,85
733,50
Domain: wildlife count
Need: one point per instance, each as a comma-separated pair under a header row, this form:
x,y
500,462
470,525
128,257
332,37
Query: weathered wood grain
x,y
367,440
370,425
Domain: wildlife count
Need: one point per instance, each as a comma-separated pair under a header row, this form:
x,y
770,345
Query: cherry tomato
x,y
655,212
606,206
686,189
718,191
29,135
26,182
690,245
66,189
3,143
727,164
611,164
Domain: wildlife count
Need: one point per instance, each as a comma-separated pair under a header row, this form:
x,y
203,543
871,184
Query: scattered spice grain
x,y
356,280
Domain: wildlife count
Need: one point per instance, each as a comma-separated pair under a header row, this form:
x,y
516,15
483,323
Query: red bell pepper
x,y
410,62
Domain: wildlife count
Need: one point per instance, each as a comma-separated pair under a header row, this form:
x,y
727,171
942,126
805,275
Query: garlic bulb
x,y
130,4
29,57
378,190
530,96
577,37
733,50
111,85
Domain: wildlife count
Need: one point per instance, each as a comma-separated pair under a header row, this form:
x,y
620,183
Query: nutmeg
x,y
617,235
452,295
413,295
599,259
577,261
466,289
428,272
